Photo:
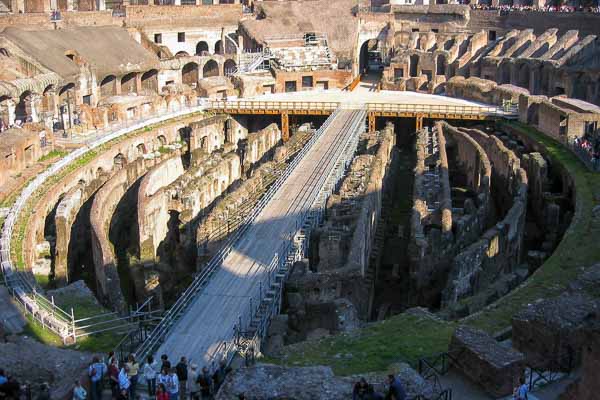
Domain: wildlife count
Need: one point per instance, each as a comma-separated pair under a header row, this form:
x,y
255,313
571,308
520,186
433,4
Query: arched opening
x,y
524,73
48,100
189,74
580,87
150,82
230,67
119,161
128,83
24,107
108,86
211,68
413,65
219,47
230,47
182,54
202,48
162,141
141,149
440,65
4,52
504,73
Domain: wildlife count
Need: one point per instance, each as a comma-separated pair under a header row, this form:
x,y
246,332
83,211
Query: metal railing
x,y
21,284
286,105
200,280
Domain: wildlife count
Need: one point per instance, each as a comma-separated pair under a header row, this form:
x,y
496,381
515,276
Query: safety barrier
x,y
187,297
21,284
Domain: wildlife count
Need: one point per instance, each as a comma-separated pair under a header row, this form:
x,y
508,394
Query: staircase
x,y
250,62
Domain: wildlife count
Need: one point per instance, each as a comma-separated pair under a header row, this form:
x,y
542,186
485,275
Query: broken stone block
x,y
482,359
549,332
42,266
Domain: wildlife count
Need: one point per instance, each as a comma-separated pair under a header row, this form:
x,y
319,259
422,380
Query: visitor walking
x,y
113,378
161,392
150,374
205,382
133,368
163,377
396,391
182,376
173,385
522,390
165,362
193,386
220,375
96,371
124,383
79,392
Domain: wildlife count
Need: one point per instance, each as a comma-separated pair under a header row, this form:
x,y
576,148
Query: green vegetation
x,y
576,250
408,338
401,338
53,154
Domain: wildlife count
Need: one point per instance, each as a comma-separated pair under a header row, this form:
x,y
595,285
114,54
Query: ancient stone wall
x,y
335,295
127,149
483,360
499,249
105,203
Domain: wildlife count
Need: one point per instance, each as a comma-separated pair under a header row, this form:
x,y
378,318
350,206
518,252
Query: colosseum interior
x,y
296,195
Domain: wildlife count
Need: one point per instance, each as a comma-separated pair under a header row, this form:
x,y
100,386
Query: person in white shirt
x,y
150,374
193,386
173,385
124,382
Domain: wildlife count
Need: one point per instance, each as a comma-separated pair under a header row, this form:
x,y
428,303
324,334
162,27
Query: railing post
x,y
73,325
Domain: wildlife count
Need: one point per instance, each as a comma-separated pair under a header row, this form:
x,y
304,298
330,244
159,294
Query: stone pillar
x,y
10,108
177,2
371,122
240,48
101,5
215,2
285,126
35,107
223,45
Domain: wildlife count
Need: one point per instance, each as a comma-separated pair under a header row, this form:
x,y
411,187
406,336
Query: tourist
x,y
193,386
161,392
396,390
124,382
220,374
96,371
182,376
44,393
173,385
110,358
79,392
163,377
205,382
113,377
521,390
3,377
132,372
150,373
361,390
165,362
10,389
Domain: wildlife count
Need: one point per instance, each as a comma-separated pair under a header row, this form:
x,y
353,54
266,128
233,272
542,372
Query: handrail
x,y
21,287
189,294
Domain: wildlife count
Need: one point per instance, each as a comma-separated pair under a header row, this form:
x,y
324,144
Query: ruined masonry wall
x,y
499,248
103,207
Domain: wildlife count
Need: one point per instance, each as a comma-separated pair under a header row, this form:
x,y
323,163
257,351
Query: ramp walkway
x,y
229,306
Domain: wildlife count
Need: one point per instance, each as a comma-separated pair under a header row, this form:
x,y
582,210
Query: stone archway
x,y
108,86
211,68
413,65
229,67
189,74
202,48
150,81
128,83
219,47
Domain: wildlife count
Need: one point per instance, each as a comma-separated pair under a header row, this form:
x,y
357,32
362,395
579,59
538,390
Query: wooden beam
x,y
372,122
285,126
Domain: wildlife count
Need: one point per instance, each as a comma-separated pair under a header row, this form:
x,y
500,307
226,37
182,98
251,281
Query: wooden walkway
x,y
211,317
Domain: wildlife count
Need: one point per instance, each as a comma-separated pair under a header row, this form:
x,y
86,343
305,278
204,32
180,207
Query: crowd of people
x,y
549,8
589,150
163,380
364,391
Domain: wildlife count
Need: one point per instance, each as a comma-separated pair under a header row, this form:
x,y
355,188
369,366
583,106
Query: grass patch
x,y
408,338
401,338
53,154
577,248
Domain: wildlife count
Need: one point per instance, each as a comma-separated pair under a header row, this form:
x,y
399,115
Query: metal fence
x,y
21,284
329,106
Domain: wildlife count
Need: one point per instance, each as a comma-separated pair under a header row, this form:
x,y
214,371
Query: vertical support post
x,y
419,122
371,122
285,126
73,325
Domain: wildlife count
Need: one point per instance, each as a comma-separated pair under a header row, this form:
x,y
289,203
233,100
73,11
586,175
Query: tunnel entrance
x,y
80,260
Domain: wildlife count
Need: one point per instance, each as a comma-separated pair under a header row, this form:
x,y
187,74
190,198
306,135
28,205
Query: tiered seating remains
x,y
302,57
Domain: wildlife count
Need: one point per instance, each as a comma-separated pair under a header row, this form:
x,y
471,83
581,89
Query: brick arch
x,y
210,68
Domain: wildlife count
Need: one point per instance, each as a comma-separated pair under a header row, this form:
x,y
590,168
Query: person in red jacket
x,y
161,392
